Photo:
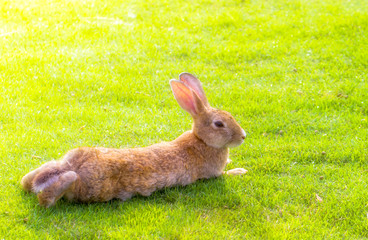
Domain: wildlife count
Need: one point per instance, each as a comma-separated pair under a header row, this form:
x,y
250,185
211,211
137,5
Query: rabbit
x,y
97,174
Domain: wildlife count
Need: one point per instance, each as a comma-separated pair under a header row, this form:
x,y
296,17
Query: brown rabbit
x,y
101,174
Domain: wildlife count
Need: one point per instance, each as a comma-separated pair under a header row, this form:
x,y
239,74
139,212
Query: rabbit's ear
x,y
192,82
187,98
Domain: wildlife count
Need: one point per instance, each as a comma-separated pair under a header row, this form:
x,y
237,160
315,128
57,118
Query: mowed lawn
x,y
96,73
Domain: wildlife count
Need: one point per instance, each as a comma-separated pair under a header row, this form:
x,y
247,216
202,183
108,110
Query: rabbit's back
x,y
106,173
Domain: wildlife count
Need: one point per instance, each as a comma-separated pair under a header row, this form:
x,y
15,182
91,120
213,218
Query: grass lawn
x,y
95,73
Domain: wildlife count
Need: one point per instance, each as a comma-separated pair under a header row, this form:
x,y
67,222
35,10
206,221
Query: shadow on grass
x,y
167,205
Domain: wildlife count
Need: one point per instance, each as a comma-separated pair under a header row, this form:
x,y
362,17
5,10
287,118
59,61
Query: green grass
x,y
95,73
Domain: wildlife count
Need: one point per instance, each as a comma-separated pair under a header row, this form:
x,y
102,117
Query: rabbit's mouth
x,y
238,140
235,143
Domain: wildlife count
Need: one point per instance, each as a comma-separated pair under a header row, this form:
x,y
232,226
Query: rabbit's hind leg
x,y
27,180
49,195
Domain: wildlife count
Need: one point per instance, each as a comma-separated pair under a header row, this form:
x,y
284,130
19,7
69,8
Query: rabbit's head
x,y
217,128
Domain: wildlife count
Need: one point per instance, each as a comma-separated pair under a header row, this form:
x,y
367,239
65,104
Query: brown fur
x,y
101,174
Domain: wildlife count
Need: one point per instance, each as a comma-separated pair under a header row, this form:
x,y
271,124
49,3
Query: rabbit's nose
x,y
243,134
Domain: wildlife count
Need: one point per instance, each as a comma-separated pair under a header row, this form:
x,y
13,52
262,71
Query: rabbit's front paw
x,y
236,171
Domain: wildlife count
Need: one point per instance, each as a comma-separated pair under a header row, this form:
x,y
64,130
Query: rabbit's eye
x,y
219,124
